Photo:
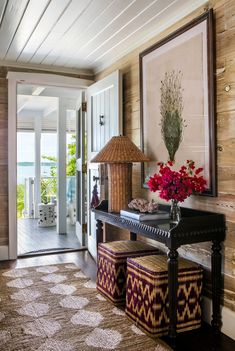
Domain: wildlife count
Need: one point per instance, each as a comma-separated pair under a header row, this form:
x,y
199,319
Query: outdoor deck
x,y
33,239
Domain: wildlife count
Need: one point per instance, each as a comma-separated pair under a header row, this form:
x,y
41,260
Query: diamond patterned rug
x,y
57,308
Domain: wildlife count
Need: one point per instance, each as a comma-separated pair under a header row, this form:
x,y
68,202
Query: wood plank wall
x,y
4,141
3,163
224,11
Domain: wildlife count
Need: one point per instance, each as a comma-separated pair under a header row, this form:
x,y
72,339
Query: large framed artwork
x,y
177,100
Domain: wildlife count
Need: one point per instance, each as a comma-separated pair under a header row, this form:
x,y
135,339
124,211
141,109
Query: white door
x,y
81,173
104,104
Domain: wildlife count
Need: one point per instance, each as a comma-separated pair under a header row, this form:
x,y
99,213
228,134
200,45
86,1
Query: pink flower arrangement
x,y
177,185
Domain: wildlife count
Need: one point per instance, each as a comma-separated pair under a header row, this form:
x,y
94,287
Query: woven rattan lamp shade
x,y
119,153
120,149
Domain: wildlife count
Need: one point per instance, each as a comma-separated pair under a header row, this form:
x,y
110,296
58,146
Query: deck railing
x,y
49,188
48,192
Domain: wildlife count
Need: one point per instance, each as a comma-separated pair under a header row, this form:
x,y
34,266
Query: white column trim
x,y
37,153
61,166
12,176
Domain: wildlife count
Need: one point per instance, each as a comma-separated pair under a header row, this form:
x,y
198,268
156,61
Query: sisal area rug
x,y
57,308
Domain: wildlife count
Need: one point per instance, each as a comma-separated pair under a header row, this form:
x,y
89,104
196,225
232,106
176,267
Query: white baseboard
x,y
228,317
4,253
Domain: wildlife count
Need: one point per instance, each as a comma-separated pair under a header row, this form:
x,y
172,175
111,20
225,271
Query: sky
x,y
25,145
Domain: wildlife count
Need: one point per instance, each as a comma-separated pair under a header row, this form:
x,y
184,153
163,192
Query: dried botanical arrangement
x,y
171,108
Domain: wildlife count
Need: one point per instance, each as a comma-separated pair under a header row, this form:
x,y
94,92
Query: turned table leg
x,y
173,288
99,233
216,285
133,236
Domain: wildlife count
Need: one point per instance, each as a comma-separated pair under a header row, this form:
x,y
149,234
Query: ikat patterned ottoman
x,y
112,261
147,302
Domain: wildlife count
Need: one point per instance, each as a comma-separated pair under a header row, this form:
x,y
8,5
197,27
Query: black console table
x,y
194,227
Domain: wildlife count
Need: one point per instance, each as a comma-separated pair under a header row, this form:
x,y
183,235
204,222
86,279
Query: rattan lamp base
x,y
120,185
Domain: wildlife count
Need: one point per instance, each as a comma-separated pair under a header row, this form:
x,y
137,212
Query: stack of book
x,y
139,216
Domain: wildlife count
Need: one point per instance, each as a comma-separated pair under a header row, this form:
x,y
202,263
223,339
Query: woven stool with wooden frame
x,y
147,302
119,153
112,260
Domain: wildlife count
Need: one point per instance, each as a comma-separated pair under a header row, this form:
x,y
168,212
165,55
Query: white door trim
x,y
12,157
49,79
15,78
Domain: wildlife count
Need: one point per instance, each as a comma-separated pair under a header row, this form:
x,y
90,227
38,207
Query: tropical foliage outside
x,y
49,184
20,199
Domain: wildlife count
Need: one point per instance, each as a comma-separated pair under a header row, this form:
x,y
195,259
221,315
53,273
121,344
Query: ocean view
x,y
26,170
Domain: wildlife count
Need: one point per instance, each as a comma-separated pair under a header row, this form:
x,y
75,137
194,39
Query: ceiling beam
x,y
21,105
37,90
51,108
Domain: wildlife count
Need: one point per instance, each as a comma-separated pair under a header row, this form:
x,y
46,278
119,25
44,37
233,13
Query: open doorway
x,y
47,136
111,108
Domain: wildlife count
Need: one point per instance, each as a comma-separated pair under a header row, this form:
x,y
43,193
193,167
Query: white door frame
x,y
80,162
15,78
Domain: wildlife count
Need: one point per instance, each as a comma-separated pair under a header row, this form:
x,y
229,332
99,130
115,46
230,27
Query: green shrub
x,y
20,199
49,185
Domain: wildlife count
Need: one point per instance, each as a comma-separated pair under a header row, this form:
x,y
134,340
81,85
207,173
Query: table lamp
x,y
119,153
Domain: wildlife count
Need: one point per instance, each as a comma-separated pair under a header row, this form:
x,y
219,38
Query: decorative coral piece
x,y
143,205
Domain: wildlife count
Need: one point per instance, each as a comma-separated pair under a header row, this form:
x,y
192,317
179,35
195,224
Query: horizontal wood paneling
x,y
4,223
4,180
3,162
224,11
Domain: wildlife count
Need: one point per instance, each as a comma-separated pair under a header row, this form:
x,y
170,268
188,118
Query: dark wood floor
x,y
200,340
81,258
33,239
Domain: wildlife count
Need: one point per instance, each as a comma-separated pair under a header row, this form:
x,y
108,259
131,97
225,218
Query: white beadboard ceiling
x,y
42,102
81,36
